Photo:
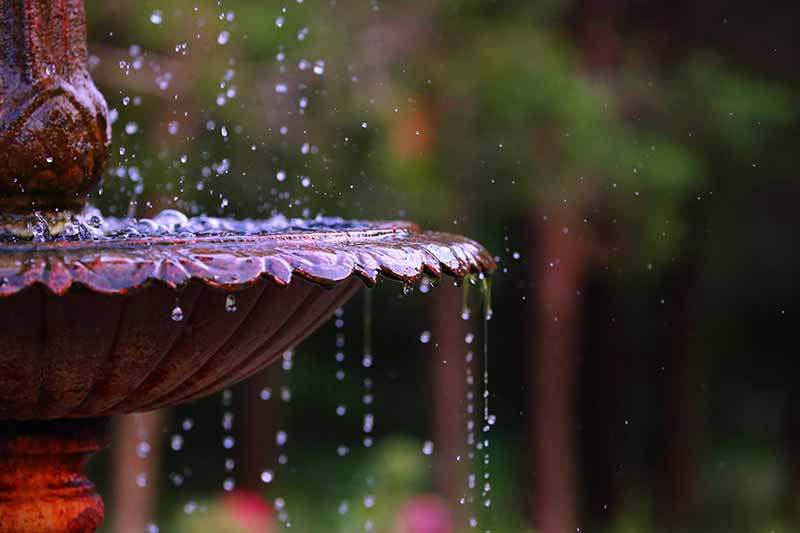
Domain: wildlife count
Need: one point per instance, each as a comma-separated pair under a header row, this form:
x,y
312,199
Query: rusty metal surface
x,y
43,487
398,250
87,328
54,128
87,354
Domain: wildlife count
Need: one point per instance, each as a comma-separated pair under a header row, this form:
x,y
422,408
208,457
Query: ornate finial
x,y
54,129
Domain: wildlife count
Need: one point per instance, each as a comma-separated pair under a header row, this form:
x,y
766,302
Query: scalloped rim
x,y
397,250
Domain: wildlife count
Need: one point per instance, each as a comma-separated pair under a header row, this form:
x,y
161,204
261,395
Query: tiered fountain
x,y
95,323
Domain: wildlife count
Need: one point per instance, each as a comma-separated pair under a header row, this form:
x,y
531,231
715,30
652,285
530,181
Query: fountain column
x,y
42,484
54,128
54,143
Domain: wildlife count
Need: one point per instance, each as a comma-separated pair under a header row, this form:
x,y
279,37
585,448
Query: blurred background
x,y
630,163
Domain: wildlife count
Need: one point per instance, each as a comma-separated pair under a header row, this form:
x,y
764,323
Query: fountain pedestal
x,y
42,484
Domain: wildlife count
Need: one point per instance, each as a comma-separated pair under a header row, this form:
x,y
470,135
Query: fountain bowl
x,y
93,329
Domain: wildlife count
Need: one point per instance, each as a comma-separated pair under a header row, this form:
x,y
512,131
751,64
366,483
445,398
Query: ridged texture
x,y
88,354
396,249
86,328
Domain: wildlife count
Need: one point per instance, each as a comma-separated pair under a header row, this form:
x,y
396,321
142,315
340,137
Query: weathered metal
x,y
42,485
87,354
54,127
396,249
87,328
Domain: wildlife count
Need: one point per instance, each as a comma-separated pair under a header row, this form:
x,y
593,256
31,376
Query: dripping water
x,y
478,448
368,424
228,441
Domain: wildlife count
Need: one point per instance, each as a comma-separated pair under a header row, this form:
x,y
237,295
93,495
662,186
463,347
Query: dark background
x,y
631,164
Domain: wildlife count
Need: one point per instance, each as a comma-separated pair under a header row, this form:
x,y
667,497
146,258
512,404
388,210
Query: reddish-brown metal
x,y
54,128
87,354
42,485
397,249
86,328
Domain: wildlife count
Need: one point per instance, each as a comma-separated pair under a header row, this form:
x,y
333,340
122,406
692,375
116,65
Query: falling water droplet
x,y
427,448
230,303
177,313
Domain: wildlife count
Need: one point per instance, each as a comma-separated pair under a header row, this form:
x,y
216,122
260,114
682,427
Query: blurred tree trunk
x,y
449,389
136,470
560,267
602,376
684,423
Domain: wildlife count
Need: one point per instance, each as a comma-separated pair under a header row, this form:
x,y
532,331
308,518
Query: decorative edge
x,y
397,250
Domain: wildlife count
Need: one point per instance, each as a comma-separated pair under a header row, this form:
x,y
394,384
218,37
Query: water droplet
x,y
230,303
427,448
157,17
425,337
267,476
143,449
177,313
223,37
281,437
176,443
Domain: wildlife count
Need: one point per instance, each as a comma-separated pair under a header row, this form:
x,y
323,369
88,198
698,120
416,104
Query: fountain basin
x,y
89,329
87,326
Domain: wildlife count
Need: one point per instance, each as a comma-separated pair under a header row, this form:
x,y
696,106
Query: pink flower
x,y
426,514
249,510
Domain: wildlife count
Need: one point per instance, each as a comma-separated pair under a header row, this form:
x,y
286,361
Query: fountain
x,y
103,318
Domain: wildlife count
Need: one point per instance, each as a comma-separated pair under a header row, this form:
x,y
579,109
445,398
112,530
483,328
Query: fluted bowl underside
x,y
87,328
88,354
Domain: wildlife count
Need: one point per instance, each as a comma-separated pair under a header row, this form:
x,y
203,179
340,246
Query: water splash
x,y
91,225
